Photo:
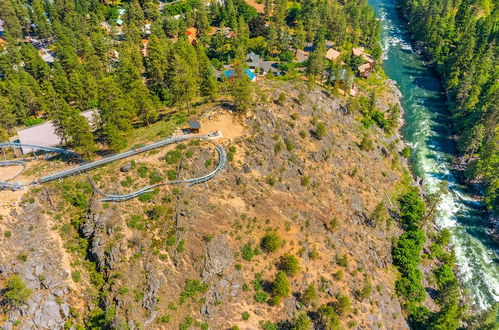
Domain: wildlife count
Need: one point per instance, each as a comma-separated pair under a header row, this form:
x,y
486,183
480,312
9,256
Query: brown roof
x,y
332,54
194,124
358,51
364,67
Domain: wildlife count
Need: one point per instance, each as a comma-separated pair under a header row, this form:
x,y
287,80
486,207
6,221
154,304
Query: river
x,y
427,131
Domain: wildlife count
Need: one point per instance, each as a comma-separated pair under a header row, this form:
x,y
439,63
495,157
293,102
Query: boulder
x,y
126,168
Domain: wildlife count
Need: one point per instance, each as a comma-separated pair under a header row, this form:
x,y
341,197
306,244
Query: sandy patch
x,y
227,123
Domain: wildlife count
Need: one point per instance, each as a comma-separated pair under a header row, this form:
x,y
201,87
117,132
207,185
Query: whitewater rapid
x,y
427,132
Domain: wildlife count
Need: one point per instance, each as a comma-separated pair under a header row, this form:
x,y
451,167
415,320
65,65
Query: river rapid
x,y
427,131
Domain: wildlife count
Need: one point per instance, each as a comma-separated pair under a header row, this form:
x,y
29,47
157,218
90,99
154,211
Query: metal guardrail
x,y
88,166
222,162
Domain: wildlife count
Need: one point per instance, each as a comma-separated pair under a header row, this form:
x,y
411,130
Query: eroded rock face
x,y
225,282
98,227
219,257
36,257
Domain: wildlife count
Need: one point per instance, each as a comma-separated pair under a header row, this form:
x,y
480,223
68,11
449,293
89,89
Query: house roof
x,y
194,124
253,58
45,134
119,21
364,67
332,54
358,51
266,66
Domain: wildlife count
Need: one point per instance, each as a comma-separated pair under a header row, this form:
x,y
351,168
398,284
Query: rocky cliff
x,y
301,165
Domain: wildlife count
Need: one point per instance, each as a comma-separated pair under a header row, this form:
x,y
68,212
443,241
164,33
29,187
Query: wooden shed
x,y
194,126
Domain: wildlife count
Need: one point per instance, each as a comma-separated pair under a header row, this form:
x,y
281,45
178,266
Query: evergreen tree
x,y
208,86
184,84
240,88
115,114
317,61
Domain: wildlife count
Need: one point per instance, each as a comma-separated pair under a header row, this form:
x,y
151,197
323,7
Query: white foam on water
x,y
478,270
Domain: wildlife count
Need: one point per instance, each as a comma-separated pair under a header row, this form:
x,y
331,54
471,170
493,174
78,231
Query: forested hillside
x,y
461,37
130,59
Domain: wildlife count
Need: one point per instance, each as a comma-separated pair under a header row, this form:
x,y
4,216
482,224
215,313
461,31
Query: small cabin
x,y
194,126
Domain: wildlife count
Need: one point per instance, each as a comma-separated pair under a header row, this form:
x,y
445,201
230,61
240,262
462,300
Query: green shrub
x,y
261,296
406,152
321,130
76,276
444,275
142,170
341,261
289,264
338,275
136,222
164,319
247,251
281,288
366,144
245,316
281,99
309,295
301,322
16,292
173,156
305,180
412,209
342,305
270,242
172,175
314,254
269,326
191,288
155,177
327,318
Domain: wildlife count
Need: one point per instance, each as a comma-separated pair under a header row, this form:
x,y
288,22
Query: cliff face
x,y
301,165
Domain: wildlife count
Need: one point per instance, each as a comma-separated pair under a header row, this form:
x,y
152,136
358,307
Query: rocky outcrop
x,y
40,267
98,229
219,257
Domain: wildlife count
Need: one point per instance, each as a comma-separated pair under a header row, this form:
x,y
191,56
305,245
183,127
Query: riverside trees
x,y
461,38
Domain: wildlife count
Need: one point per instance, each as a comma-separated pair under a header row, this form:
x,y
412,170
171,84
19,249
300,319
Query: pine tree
x,y
240,88
317,61
141,100
184,85
115,114
39,19
208,86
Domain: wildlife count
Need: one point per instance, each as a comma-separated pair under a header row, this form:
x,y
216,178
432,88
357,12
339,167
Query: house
x,y
192,35
194,126
46,55
230,73
119,22
45,134
228,33
253,60
358,51
332,54
365,70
